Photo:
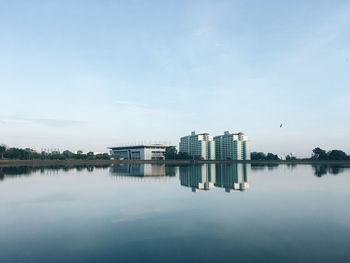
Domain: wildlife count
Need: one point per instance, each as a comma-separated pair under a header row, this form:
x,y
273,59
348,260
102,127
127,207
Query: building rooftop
x,y
152,146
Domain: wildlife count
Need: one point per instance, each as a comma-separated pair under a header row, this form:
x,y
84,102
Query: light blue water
x,y
153,213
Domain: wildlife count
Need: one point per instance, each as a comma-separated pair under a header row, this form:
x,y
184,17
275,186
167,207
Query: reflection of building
x,y
140,152
200,177
206,176
139,170
233,176
199,146
232,146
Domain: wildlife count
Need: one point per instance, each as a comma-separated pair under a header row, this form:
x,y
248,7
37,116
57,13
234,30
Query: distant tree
x,y
334,155
337,155
80,155
319,154
90,155
170,153
272,157
184,156
68,154
56,155
2,150
29,154
259,156
290,157
102,156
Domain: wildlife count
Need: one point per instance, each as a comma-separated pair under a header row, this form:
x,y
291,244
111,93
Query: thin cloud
x,y
129,103
58,123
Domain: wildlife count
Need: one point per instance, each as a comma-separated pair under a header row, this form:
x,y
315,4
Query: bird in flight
x,y
281,126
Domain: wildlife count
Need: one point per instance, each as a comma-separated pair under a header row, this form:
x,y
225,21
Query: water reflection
x,y
200,177
319,169
143,170
208,176
262,166
197,177
323,169
95,216
16,171
235,176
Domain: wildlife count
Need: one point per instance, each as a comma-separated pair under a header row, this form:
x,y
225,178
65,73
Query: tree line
x,y
333,155
171,153
260,156
318,154
30,154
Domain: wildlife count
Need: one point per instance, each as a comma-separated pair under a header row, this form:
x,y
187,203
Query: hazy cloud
x,y
58,123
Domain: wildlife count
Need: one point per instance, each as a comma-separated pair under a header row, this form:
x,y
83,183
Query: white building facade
x,y
199,146
139,152
232,146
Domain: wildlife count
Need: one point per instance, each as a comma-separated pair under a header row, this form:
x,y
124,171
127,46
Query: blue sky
x,y
90,74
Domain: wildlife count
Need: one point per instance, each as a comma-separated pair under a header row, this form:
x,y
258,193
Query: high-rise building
x,y
232,146
199,146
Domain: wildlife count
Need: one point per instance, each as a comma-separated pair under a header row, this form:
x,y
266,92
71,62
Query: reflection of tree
x,y
15,171
272,166
320,170
261,166
291,165
336,169
170,170
323,169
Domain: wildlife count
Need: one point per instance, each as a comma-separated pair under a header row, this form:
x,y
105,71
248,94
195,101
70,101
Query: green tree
x,y
170,153
272,157
290,157
90,155
337,155
319,154
184,156
68,155
260,156
2,150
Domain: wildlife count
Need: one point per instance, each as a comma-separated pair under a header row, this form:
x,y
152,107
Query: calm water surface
x,y
157,213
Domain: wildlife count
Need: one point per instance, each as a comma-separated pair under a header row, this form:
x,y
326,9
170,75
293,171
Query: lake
x,y
158,213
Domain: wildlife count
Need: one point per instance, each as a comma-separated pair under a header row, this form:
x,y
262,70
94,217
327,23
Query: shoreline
x,y
169,162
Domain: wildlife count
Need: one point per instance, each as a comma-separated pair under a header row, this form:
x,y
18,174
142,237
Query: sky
x,y
92,74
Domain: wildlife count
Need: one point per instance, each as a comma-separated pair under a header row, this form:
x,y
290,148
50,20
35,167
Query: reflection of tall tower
x,y
234,176
200,177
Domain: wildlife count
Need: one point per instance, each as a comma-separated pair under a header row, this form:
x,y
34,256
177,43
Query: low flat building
x,y
139,152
